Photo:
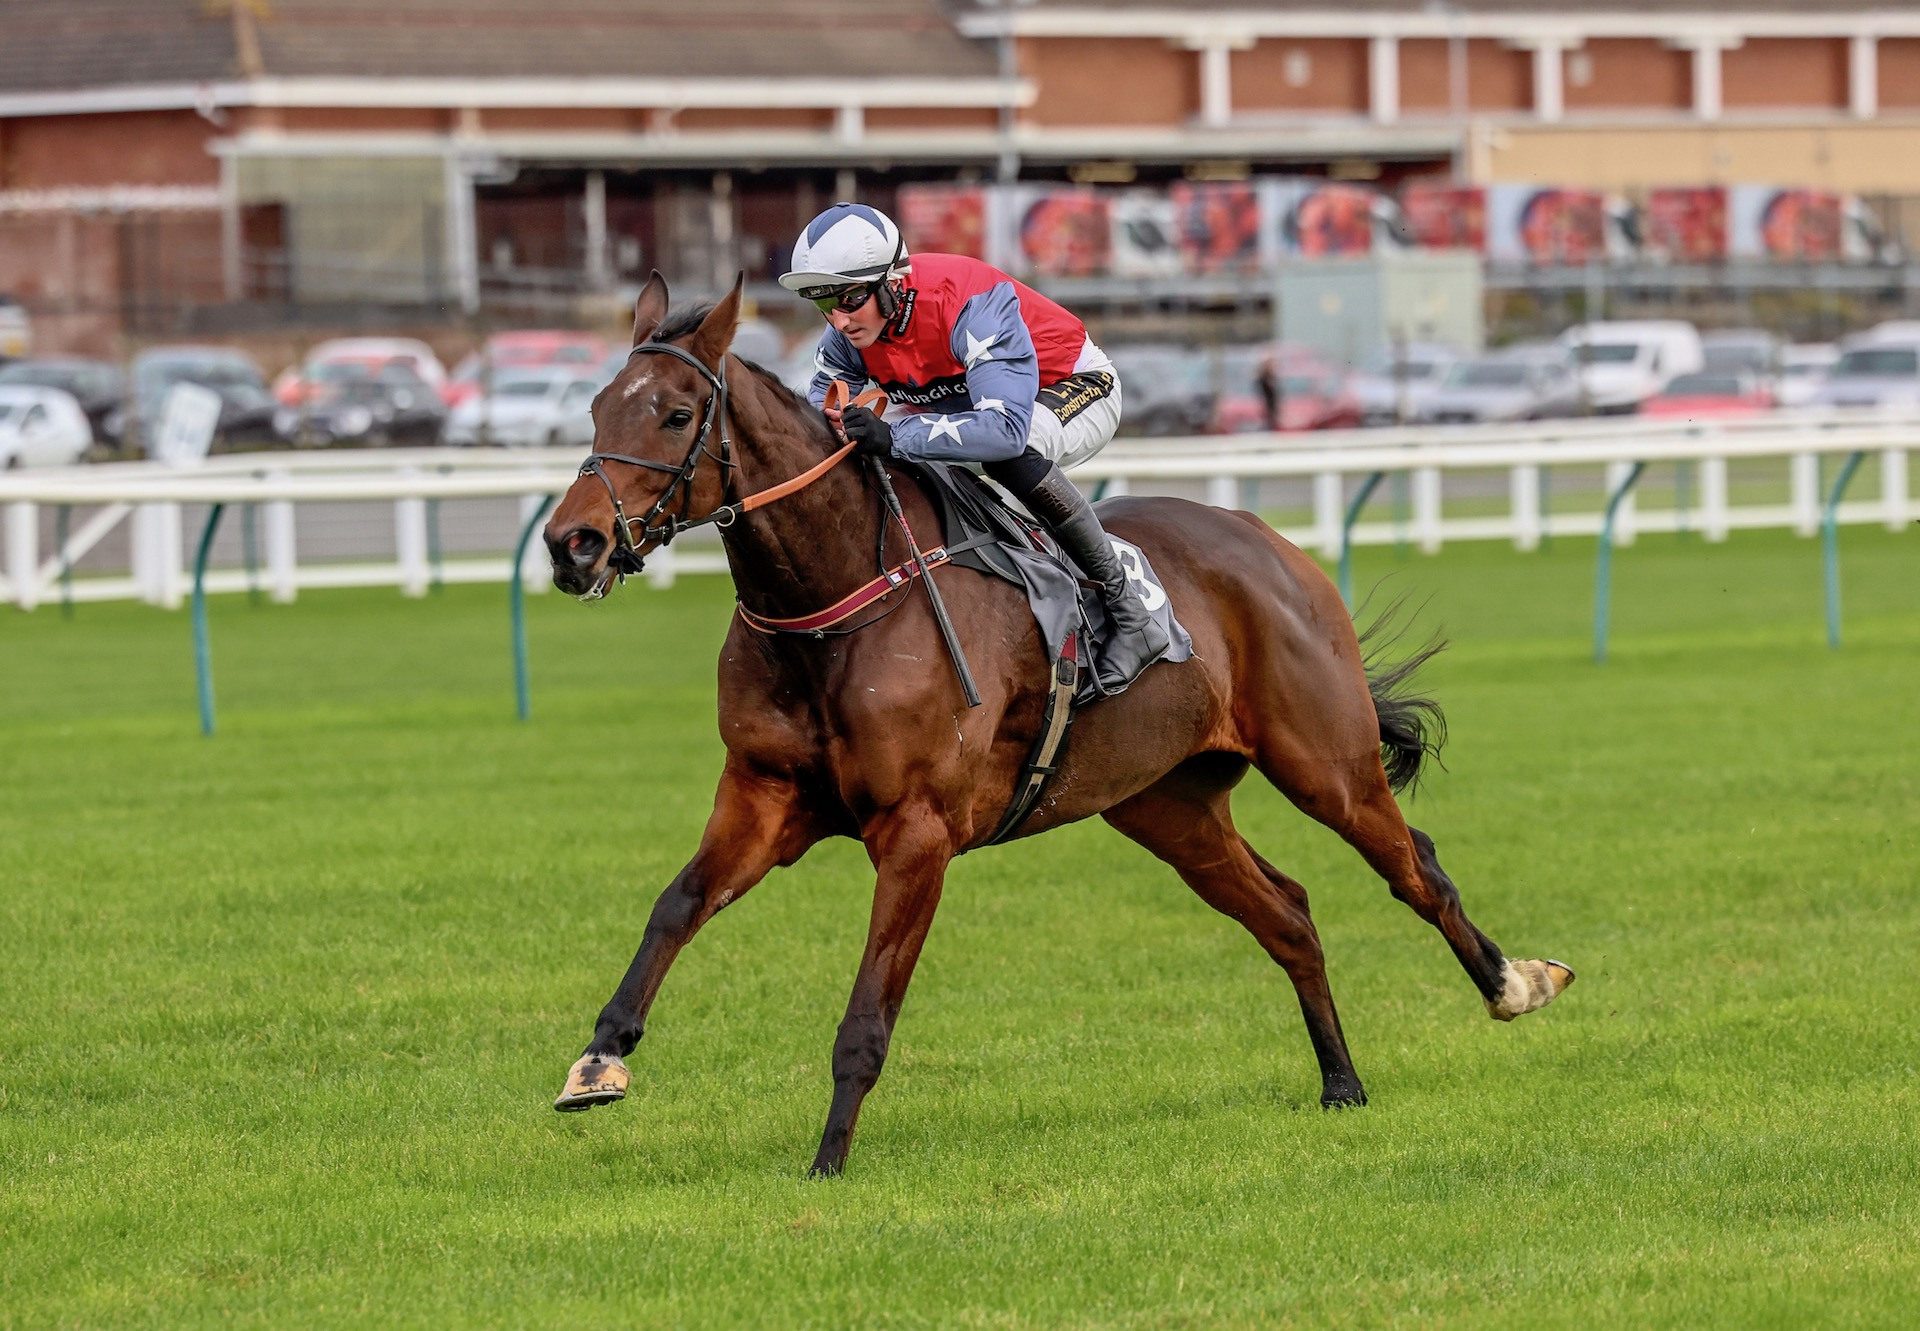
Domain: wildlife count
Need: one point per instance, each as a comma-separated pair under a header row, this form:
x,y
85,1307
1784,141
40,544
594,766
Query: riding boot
x,y
1138,640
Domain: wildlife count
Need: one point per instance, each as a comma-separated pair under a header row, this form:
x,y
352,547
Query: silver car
x,y
1527,386
1394,383
1872,375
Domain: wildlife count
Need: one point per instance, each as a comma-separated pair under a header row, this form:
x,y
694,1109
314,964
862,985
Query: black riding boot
x,y
1138,639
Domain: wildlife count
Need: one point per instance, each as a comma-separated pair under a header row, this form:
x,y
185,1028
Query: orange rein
x,y
839,397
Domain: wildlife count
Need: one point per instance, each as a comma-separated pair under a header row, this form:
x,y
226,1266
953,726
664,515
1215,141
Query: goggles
x,y
846,299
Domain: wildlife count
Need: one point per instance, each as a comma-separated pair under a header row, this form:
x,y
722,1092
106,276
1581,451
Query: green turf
x,y
283,1010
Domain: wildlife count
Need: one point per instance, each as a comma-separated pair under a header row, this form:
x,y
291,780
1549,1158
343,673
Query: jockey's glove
x,y
870,435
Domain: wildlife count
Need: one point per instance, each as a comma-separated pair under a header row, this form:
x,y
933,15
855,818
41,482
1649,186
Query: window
x,y
1297,69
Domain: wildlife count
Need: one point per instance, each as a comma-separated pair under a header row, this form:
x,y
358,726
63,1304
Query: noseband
x,y
626,557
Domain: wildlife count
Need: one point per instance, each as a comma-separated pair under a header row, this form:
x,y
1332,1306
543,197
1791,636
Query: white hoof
x,y
1528,985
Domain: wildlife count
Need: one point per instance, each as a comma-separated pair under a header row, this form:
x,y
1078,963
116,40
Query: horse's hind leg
x,y
1184,819
1357,802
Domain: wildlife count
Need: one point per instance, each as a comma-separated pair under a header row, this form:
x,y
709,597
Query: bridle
x,y
625,558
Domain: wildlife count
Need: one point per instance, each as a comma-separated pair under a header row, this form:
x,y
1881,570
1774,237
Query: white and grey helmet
x,y
850,244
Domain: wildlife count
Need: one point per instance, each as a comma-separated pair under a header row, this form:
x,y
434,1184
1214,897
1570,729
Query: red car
x,y
523,350
1710,396
1308,392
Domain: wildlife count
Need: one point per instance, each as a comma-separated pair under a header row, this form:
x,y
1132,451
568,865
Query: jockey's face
x,y
862,327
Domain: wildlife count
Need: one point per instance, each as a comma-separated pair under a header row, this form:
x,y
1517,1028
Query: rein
x,y
626,557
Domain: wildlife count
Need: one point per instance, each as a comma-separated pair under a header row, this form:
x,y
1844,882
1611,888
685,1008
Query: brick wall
x,y
1629,74
1312,74
1785,72
1100,81
128,148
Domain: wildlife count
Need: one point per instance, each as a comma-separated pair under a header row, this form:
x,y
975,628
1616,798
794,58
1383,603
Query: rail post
x,y
23,547
1830,544
517,596
1603,573
202,648
1360,498
66,562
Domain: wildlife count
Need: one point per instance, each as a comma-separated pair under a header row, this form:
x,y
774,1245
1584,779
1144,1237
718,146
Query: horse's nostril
x,y
582,547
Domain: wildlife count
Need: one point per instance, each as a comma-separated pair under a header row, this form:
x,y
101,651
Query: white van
x,y
1622,364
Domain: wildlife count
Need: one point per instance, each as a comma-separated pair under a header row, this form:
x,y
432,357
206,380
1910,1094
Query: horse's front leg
x,y
910,850
757,823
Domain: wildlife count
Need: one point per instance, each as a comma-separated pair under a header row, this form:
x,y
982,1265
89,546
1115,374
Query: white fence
x,y
149,512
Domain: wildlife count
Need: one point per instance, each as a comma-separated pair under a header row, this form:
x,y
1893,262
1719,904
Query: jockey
x,y
988,372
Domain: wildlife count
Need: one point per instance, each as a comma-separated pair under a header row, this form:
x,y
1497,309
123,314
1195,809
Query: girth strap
x,y
1053,733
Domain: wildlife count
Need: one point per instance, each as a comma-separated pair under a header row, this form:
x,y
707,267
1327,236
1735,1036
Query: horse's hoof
x,y
1527,986
1354,1099
597,1079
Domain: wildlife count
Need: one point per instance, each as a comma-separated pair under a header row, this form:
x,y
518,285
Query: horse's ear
x,y
715,334
651,308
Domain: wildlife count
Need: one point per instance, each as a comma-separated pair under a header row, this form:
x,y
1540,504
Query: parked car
x,y
523,350
1752,351
529,409
16,330
41,427
1505,386
1872,374
246,407
1803,369
1622,364
100,387
347,402
1392,383
1711,395
1309,393
372,354
1164,389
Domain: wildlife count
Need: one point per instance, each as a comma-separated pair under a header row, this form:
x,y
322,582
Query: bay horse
x,y
862,731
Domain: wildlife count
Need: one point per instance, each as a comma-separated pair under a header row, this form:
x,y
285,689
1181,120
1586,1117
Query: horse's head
x,y
658,445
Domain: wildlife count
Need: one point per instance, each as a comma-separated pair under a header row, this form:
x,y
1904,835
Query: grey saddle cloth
x,y
984,534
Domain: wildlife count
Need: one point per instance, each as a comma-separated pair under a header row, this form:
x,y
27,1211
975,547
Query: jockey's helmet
x,y
850,245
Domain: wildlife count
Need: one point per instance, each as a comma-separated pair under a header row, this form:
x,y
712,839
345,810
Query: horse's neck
x,y
801,553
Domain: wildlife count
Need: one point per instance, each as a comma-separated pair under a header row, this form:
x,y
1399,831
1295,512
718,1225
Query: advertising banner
x,y
946,219
1145,240
1444,216
1535,225
1065,232
1218,226
1318,219
1686,224
1766,222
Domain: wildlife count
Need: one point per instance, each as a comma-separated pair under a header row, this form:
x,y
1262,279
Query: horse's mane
x,y
682,322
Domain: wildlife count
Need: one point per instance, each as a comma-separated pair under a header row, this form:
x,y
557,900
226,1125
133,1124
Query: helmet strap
x,y
885,294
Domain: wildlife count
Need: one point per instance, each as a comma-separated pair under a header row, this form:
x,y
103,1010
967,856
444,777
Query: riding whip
x,y
839,395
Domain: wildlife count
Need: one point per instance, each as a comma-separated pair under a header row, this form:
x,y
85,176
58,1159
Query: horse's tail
x,y
1412,726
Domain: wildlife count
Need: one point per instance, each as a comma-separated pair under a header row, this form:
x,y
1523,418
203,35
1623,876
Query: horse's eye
x,y
679,420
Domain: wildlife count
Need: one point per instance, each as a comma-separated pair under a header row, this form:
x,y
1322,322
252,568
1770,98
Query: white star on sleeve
x,y
946,425
991,404
979,349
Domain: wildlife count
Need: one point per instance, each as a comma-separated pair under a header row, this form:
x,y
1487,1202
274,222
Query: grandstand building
x,y
418,150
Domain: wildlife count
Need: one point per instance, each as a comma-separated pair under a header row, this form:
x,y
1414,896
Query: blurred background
x,y
425,220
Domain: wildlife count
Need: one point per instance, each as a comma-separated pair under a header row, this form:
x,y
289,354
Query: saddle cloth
x,y
984,534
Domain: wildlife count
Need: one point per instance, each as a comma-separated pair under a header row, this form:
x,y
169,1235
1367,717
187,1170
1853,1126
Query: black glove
x,y
871,436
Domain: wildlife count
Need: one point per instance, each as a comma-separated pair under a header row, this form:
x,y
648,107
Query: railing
x,y
1316,477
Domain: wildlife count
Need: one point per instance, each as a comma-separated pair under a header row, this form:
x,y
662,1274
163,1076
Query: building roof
x,y
56,45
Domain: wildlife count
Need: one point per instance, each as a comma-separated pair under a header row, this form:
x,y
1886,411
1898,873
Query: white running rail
x,y
1315,474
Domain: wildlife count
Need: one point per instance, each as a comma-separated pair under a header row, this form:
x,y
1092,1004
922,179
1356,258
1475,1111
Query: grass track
x,y
281,1012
